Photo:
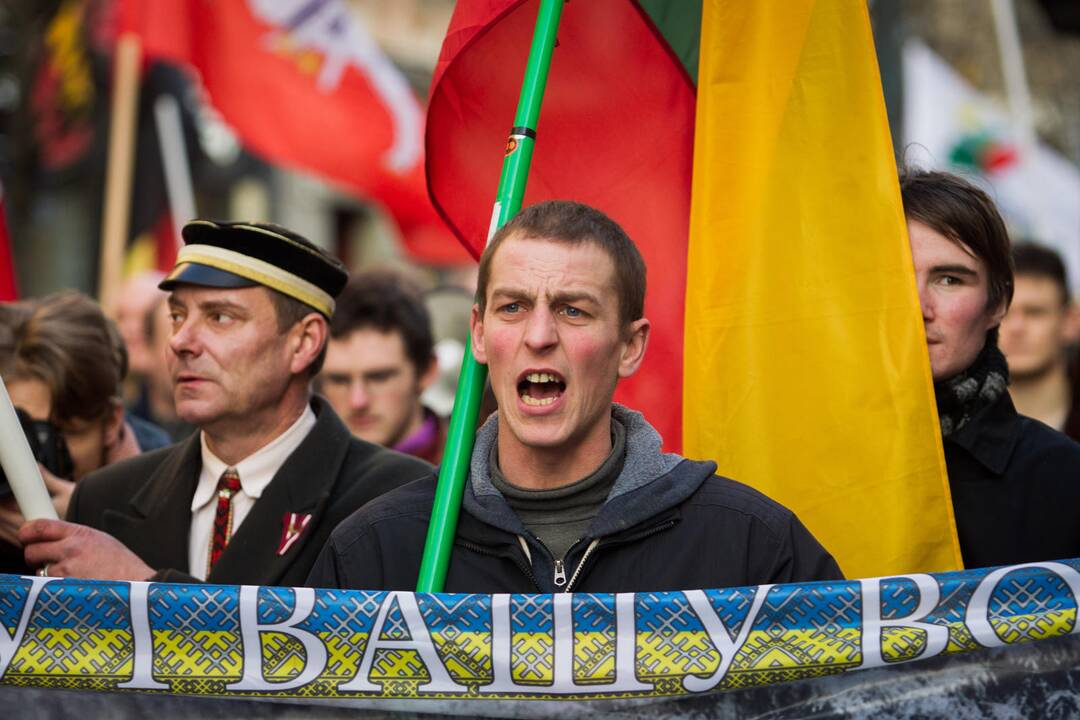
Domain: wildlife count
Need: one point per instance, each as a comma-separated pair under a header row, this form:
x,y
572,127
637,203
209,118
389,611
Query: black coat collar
x,y
158,517
991,436
303,485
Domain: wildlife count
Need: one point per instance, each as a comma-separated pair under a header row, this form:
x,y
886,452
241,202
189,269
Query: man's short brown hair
x,y
387,301
1033,260
966,215
574,223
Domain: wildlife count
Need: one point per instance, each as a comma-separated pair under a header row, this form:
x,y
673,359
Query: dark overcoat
x,y
145,502
1015,488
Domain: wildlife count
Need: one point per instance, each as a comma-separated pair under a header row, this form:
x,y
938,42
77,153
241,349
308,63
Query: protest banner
x,y
314,643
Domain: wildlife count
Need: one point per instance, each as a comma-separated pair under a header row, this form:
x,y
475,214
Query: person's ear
x,y
995,318
429,375
476,334
114,425
306,341
634,344
1071,330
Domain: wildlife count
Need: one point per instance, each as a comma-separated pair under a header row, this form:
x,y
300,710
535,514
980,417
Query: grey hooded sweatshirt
x,y
668,524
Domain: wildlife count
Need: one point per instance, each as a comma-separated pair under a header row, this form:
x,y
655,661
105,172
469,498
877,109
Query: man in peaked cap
x,y
252,497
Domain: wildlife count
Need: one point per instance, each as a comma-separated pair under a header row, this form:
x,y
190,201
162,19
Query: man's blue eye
x,y
511,307
572,312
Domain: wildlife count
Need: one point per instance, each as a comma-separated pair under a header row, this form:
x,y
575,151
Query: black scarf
x,y
961,397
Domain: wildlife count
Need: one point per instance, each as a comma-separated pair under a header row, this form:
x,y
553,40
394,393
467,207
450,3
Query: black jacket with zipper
x,y
668,524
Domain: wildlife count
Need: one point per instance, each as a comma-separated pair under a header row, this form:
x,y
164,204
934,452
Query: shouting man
x,y
568,491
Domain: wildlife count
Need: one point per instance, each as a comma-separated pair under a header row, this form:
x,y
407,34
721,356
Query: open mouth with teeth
x,y
540,388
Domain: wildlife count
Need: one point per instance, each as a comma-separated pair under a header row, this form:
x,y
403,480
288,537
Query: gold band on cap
x,y
260,271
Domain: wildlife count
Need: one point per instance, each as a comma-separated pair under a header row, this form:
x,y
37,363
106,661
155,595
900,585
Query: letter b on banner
x,y
252,629
874,620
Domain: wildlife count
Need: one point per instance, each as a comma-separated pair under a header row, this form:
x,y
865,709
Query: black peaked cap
x,y
235,254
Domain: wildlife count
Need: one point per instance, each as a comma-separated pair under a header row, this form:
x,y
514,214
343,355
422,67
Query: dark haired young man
x,y
568,491
1014,482
1036,334
379,360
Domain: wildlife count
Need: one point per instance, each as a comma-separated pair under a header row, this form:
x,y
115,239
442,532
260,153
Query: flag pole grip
x,y
461,434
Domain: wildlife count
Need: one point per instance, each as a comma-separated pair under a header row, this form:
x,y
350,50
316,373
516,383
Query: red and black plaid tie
x,y
226,488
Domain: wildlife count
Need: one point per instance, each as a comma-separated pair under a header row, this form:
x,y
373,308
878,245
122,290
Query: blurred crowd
x,y
237,410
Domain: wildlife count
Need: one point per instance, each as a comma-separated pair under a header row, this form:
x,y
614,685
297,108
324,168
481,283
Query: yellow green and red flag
x,y
788,342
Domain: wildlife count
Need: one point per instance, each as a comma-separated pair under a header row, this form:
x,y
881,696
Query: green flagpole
x,y
462,431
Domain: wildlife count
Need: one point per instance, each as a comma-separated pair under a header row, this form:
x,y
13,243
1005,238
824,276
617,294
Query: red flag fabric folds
x,y
8,289
304,85
615,131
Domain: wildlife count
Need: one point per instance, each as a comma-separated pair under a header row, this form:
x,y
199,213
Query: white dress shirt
x,y
255,471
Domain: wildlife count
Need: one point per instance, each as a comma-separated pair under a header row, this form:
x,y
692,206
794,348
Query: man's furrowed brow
x,y
574,297
510,293
557,298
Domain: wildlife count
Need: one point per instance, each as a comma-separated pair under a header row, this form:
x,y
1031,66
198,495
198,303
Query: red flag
x,y
304,85
8,289
616,131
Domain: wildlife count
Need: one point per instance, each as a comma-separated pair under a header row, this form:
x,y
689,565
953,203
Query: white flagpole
x,y
1017,91
174,159
20,466
1018,97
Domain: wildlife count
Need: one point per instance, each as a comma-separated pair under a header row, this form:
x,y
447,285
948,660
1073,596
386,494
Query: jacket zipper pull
x,y
560,574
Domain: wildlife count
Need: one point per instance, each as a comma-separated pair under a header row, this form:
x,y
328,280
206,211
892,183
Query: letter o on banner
x,y
977,617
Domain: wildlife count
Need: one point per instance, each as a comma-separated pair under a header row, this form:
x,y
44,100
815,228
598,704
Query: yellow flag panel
x,y
806,370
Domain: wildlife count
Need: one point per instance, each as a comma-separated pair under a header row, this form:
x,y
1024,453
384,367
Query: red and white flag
x,y
304,85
